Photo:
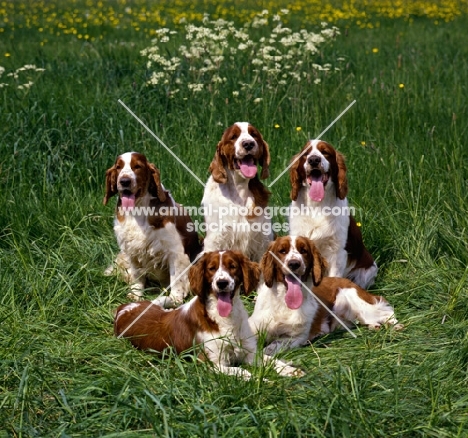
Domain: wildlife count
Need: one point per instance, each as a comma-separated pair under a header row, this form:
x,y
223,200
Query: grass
x,y
63,373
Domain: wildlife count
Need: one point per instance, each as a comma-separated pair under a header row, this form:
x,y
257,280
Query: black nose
x,y
222,284
125,182
314,160
294,265
248,145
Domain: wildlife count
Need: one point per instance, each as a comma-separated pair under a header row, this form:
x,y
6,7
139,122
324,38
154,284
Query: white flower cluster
x,y
262,51
18,74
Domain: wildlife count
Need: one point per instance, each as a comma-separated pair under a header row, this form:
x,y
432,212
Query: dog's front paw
x,y
166,302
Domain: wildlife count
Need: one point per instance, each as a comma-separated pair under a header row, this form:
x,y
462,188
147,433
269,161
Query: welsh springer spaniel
x,y
290,315
153,233
319,210
234,199
215,317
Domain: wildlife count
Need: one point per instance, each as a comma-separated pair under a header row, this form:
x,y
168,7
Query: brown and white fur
x,y
290,315
319,183
215,318
155,244
234,190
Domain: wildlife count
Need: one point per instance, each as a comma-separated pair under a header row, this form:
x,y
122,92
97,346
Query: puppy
x,y
215,318
290,315
152,230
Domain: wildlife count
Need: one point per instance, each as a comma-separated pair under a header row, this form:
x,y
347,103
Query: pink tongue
x,y
248,167
293,296
224,304
316,192
128,201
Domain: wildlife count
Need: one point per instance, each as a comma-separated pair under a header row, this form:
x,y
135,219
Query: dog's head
x,y
220,274
240,149
296,255
319,167
132,177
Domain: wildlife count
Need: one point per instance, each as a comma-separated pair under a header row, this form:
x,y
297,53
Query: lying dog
x,y
214,318
155,241
290,315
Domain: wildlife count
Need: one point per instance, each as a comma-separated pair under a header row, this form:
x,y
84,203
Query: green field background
x,y
63,373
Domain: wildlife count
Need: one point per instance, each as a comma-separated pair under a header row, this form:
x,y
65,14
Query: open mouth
x,y
224,303
128,199
247,166
317,181
293,296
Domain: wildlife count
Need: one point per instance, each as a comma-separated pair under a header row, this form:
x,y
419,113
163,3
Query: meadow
x,y
189,70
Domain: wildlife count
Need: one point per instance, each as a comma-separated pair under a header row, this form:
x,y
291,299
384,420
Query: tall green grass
x,y
62,371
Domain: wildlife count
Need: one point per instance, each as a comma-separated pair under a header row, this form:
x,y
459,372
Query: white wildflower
x,y
257,100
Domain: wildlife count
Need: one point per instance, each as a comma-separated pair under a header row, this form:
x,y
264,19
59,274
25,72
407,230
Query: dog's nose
x,y
294,265
125,182
222,284
314,160
248,145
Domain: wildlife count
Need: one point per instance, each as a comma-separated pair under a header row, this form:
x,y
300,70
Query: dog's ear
x,y
342,184
268,266
265,160
297,174
250,274
155,188
217,168
319,264
196,276
111,184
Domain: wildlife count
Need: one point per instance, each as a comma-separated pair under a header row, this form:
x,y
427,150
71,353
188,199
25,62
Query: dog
x,y
215,318
318,181
290,315
156,244
235,199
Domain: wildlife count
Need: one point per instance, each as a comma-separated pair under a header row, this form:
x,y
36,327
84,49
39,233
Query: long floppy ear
x,y
111,184
269,268
155,188
319,264
297,174
251,274
217,169
196,276
342,185
265,160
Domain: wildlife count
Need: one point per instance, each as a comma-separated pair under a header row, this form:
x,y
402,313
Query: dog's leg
x,y
233,371
283,368
178,263
284,345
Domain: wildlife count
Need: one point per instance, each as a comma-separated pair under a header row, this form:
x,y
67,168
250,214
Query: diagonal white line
x,y
318,137
315,296
160,295
161,142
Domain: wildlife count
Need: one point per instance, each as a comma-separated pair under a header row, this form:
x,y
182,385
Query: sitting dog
x,y
290,315
152,230
214,318
319,183
234,198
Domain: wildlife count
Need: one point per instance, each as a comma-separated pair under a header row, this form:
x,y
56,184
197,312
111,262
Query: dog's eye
x,y
117,167
234,137
232,266
282,251
136,167
303,251
212,269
